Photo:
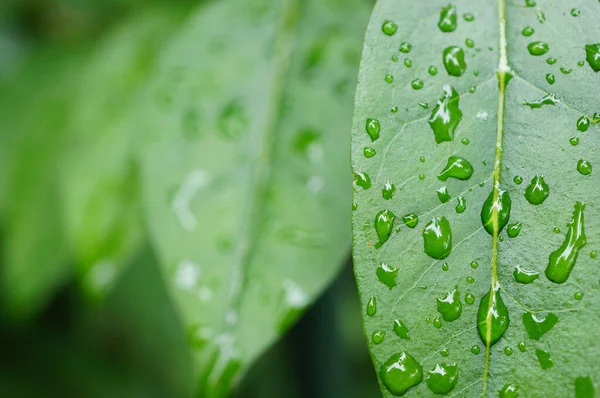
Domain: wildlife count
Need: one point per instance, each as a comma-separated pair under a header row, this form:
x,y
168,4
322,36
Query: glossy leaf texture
x,y
244,169
482,276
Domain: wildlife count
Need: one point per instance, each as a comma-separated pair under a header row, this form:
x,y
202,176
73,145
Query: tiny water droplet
x,y
518,180
562,261
354,206
411,220
495,212
442,378
362,180
401,330
530,3
551,61
389,28
445,266
394,58
369,152
508,351
475,349
469,17
424,105
470,279
469,43
548,99
450,306
437,238
584,167
538,48
593,254
446,116
394,109
417,84
575,12
544,358
537,191
377,336
580,63
494,313
437,323
578,295
461,204
372,306
456,167
465,141
509,391
528,31
538,325
389,78
524,276
522,346
400,373
454,61
474,264
550,78
443,194
513,230
447,22
421,177
583,123
432,70
574,141
373,128
387,192
387,275
422,159
408,63
405,47
469,298
556,230
541,17
384,225
445,352
565,70
592,56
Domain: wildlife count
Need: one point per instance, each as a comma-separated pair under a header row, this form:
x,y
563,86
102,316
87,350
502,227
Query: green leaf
x,y
481,281
244,165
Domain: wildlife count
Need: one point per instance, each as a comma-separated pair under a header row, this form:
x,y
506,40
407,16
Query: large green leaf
x,y
244,165
423,287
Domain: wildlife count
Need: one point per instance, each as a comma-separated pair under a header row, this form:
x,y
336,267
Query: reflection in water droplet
x,y
405,47
465,141
583,123
538,48
565,71
522,346
369,152
577,295
537,191
384,224
454,61
437,323
592,56
408,63
443,194
469,43
377,336
492,317
445,352
389,78
411,220
518,180
400,373
562,261
373,127
372,306
442,378
550,78
475,349
394,109
445,266
389,28
528,31
551,61
437,238
513,230
537,325
421,177
541,17
593,254
387,192
544,358
509,391
401,330
574,141
387,275
446,116
495,212
584,167
461,204
575,12
447,22
417,84
450,306
470,279
469,17
548,99
456,167
394,58
362,180
508,351
469,298
525,276
474,264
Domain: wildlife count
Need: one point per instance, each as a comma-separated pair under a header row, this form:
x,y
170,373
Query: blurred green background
x,y
131,344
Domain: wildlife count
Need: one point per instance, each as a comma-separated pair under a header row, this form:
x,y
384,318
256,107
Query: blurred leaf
x,y
244,169
433,283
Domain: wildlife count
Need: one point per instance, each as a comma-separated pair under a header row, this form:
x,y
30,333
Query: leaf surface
x,y
487,139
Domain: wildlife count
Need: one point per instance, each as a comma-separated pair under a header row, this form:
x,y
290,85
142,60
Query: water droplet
x,y
541,17
548,99
524,276
394,109
354,206
408,63
461,204
522,346
469,298
495,212
470,279
387,275
458,168
394,58
556,230
442,378
469,17
583,123
580,63
550,78
562,261
454,61
447,21
475,349
450,306
508,351
528,31
384,224
401,330
373,128
537,191
530,3
551,61
372,306
538,48
445,266
233,120
592,56
465,141
421,177
389,28
565,71
574,141
377,336
584,167
492,317
443,194
362,180
544,358
387,192
469,43
405,47
437,323
575,12
509,391
446,116
369,152
474,264
578,295
584,387
432,70
593,254
417,84
445,352
422,159
389,78
437,238
513,230
538,325
518,180
400,373
411,220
